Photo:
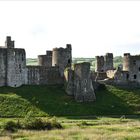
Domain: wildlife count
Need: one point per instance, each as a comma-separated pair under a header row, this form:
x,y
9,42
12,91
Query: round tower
x,y
62,58
42,60
126,62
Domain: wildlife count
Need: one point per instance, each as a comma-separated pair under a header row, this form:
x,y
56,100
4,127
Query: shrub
x,y
34,123
11,126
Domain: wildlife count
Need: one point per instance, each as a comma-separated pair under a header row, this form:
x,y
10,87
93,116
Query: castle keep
x,y
12,65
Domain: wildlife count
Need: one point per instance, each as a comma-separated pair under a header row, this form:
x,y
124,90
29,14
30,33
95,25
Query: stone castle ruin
x,y
49,71
128,74
55,67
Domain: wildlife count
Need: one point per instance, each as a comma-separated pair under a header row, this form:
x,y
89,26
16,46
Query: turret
x,y
9,43
62,58
108,61
126,62
99,65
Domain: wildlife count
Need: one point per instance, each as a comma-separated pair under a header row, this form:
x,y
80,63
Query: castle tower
x,y
62,58
108,61
16,67
45,60
99,64
9,43
83,88
126,62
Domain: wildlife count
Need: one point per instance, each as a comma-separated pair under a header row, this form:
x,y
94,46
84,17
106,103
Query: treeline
x,y
118,60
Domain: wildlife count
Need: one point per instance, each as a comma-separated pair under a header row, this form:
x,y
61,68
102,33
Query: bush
x,y
11,126
31,122
55,123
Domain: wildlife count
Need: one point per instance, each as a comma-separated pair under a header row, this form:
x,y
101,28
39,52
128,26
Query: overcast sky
x,y
92,27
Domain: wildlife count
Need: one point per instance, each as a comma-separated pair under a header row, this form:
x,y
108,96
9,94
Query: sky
x,y
92,27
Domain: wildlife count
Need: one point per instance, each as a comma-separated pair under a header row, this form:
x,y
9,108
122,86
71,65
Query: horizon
x,y
91,27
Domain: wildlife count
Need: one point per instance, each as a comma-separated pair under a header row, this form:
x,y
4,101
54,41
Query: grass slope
x,y
52,100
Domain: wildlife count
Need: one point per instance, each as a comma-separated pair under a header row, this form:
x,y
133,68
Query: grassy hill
x,y
52,100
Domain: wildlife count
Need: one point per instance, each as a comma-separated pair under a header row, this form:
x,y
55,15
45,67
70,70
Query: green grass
x,y
31,61
52,100
101,128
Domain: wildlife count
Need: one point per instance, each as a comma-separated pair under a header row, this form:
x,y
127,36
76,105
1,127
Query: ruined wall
x,y
69,81
3,65
62,58
121,76
41,75
101,76
79,82
45,60
16,67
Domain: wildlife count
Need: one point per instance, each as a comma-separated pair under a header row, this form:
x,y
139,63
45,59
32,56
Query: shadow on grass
x,y
52,100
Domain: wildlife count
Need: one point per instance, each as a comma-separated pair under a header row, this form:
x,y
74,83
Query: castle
x,y
127,75
55,67
49,71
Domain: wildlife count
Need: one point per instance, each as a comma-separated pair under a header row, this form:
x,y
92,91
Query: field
x,y
80,121
97,128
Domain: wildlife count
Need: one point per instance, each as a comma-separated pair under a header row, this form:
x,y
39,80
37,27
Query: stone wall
x,y
16,67
132,65
3,66
79,83
41,75
104,63
12,65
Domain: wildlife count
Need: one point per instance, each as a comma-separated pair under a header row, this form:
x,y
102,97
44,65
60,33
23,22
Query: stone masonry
x,y
79,83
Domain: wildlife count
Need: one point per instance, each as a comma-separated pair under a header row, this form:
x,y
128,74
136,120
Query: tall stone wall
x,y
41,75
3,66
62,58
16,67
12,65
